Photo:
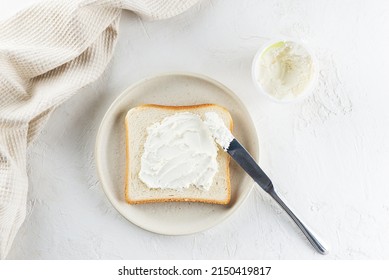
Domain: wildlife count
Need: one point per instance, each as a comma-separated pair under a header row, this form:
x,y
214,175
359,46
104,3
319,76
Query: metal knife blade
x,y
245,160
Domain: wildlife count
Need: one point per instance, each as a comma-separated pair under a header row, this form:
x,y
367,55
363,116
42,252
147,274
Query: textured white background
x,y
328,155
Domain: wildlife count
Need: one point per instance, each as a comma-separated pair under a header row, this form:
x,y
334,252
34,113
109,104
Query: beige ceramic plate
x,y
172,218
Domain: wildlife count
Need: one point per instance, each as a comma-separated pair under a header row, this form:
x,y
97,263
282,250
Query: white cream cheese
x,y
218,129
179,152
285,70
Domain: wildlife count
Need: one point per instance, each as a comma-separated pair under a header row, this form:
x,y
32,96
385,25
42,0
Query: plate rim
x,y
98,160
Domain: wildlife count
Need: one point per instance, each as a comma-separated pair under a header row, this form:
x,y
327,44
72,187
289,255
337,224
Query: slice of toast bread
x,y
137,120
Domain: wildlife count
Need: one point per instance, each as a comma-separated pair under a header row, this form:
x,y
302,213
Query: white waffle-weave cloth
x,y
47,53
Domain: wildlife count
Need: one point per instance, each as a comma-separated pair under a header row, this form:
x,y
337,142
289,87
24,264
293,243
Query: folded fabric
x,y
47,53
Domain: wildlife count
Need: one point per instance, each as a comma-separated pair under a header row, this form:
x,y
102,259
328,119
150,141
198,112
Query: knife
x,y
245,160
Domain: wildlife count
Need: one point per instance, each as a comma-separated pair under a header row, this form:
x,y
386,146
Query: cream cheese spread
x,y
179,152
285,70
218,129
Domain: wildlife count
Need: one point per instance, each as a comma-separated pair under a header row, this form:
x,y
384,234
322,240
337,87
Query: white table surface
x,y
328,155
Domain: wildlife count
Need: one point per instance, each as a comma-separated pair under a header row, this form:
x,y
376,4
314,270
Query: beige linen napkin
x,y
47,53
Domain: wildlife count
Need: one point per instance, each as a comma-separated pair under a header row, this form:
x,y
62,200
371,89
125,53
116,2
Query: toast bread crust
x,y
173,199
